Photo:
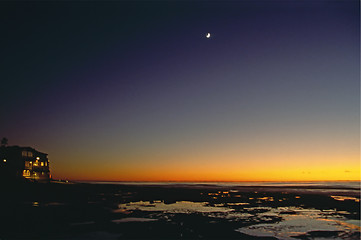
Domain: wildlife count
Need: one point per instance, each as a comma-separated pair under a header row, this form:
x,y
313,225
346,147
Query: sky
x,y
135,91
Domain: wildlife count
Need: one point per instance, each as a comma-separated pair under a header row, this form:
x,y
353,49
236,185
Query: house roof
x,y
18,148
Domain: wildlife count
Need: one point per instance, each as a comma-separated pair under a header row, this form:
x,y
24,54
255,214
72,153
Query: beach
x,y
65,210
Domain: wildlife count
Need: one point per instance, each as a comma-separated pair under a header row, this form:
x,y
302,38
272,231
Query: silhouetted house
x,y
24,162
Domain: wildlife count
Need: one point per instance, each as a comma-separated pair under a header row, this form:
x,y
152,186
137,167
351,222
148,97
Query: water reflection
x,y
172,212
122,220
304,222
177,207
343,198
263,221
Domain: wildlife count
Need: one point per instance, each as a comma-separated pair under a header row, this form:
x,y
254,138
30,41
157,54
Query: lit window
x,y
26,173
26,154
42,164
46,164
4,160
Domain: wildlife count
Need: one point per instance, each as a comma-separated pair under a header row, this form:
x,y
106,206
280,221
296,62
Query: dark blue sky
x,y
138,84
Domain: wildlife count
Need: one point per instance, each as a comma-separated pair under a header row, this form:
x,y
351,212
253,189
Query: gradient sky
x,y
135,91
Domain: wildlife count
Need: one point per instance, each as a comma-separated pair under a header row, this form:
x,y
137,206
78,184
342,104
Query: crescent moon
x,y
208,35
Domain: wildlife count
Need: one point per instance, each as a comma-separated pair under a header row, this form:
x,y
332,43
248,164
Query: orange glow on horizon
x,y
214,173
212,163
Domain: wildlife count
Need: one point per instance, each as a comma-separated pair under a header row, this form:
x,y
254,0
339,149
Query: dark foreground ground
x,y
110,211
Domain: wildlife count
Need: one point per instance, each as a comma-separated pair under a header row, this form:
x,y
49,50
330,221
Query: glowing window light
x,y
27,164
4,160
26,173
26,154
42,164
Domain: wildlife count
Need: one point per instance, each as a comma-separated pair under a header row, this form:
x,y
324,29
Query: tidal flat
x,y
117,211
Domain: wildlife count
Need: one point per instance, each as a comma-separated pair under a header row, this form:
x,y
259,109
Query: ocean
x,y
319,184
182,210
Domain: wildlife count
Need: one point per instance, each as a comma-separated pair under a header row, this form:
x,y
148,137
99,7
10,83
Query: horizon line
x,y
207,181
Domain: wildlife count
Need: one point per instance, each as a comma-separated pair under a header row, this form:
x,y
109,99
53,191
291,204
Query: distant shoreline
x,y
323,188
304,184
295,181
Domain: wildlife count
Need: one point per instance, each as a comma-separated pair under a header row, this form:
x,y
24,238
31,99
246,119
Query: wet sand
x,y
178,211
